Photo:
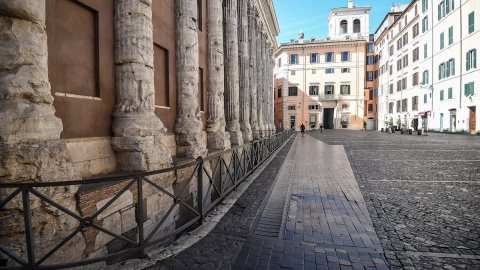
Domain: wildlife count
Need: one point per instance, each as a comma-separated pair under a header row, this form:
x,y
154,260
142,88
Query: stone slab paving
x,y
422,192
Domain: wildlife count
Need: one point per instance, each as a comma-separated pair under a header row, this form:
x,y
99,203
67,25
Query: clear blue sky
x,y
311,15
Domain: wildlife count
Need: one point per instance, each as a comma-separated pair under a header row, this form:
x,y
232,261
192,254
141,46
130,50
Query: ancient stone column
x,y
244,70
138,133
30,145
188,125
217,138
259,70
252,32
232,113
264,83
271,93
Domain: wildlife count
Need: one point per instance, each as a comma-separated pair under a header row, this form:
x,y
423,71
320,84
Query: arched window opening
x,y
356,26
343,27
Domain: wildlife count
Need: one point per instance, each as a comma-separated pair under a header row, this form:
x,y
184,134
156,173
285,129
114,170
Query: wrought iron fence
x,y
205,183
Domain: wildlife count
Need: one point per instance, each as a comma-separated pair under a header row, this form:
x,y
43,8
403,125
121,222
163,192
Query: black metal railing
x,y
198,186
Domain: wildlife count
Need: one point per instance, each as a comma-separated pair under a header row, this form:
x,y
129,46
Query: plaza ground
x,y
353,200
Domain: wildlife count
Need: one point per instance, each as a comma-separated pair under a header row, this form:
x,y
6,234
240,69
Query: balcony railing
x,y
206,182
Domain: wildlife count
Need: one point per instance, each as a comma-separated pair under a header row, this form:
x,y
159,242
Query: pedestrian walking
x,y
321,128
302,129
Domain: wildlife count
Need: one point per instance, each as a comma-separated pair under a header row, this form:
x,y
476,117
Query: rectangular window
x,y
415,30
279,62
404,105
279,92
399,44
292,107
294,59
471,59
415,54
450,67
450,35
405,60
292,91
399,85
441,10
313,90
441,95
370,60
312,107
293,72
314,71
441,71
370,48
415,79
391,50
469,89
345,56
314,58
425,98
424,5
399,64
415,103
405,39
442,39
369,76
399,106
424,24
390,107
425,77
329,57
391,69
404,83
471,22
425,51
329,89
345,70
370,93
344,106
329,71
450,93
370,107
344,89
391,88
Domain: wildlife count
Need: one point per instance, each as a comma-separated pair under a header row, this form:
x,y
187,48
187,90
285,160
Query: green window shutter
x,y
423,26
442,38
466,89
471,22
452,67
439,12
450,93
447,6
472,88
441,94
333,89
468,61
325,90
425,51
450,35
348,89
474,60
423,5
448,69
440,72
425,98
452,7
423,77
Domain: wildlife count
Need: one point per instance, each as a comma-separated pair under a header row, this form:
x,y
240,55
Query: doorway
x,y
292,122
473,120
441,122
328,114
453,121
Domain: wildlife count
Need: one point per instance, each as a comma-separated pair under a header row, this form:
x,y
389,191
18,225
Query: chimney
x,y
350,3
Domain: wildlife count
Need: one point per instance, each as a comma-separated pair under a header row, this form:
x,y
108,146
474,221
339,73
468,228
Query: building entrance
x,y
328,114
473,120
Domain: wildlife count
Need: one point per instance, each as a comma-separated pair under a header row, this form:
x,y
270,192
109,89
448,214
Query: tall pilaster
x,y
259,70
266,132
271,93
217,138
252,32
139,134
188,125
232,113
244,70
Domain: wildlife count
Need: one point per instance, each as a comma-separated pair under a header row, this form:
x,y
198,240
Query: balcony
x,y
329,97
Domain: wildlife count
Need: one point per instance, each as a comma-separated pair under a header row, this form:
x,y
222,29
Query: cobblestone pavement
x,y
422,192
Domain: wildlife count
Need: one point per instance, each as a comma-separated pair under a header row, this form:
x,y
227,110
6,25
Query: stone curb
x,y
156,256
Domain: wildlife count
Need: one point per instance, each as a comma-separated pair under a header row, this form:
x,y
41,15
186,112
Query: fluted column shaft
x,y
188,125
252,32
264,84
217,138
138,132
260,63
244,70
232,115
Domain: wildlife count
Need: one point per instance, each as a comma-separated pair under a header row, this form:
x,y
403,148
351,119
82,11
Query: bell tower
x,y
349,22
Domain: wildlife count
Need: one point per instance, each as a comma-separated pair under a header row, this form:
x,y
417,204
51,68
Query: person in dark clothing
x,y
321,128
302,128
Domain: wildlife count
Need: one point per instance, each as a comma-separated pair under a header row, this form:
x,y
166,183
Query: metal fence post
x,y
200,188
141,237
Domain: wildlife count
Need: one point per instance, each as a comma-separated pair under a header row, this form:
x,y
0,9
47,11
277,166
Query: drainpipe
x,y
358,58
304,84
461,56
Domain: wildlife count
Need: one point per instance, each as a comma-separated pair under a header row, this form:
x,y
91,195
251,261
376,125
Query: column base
x,y
218,140
236,137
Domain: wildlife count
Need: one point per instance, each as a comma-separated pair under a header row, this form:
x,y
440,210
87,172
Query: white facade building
x,y
428,74
349,22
